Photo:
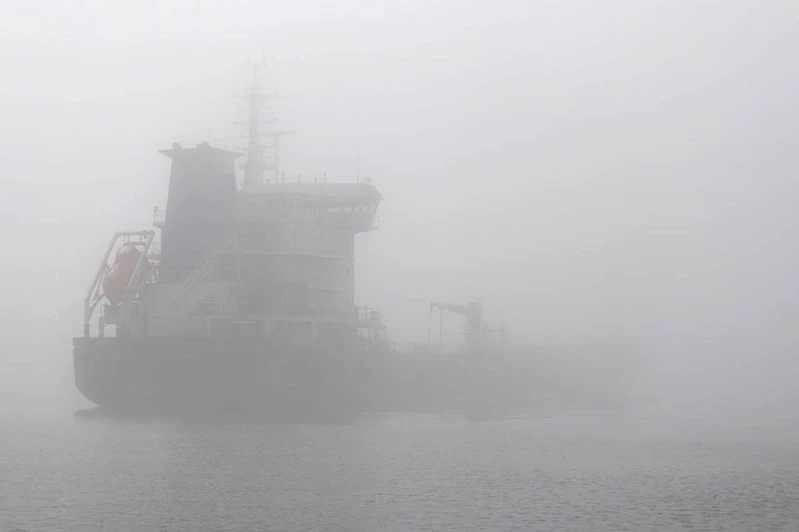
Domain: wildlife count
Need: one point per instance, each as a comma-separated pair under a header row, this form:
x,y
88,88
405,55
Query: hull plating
x,y
239,376
184,375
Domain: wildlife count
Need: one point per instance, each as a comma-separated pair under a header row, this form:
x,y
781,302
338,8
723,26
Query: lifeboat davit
x,y
117,278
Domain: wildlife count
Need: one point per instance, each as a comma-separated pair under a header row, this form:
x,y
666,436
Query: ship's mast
x,y
254,170
256,165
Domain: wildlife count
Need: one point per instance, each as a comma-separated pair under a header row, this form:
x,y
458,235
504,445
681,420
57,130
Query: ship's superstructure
x,y
271,258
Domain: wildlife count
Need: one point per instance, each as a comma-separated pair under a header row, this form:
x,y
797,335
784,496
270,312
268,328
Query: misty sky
x,y
593,170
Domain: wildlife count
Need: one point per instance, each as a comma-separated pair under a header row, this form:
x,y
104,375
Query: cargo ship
x,y
240,301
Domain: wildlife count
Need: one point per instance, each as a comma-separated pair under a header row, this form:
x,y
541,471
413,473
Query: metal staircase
x,y
203,268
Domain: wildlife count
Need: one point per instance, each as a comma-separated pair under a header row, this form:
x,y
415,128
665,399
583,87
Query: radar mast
x,y
258,153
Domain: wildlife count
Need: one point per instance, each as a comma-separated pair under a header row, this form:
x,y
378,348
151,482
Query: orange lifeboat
x,y
117,278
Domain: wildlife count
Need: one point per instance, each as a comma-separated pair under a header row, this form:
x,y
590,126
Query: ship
x,y
240,301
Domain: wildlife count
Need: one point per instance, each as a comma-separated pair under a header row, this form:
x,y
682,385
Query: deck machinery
x,y
477,334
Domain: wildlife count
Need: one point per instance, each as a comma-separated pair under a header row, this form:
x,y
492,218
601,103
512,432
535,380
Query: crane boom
x,y
474,322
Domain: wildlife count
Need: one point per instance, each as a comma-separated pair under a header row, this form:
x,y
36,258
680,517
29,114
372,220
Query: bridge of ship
x,y
290,255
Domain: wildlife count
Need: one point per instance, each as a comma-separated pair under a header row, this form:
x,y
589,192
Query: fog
x,y
593,172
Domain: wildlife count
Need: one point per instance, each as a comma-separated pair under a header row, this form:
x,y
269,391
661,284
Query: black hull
x,y
241,377
228,377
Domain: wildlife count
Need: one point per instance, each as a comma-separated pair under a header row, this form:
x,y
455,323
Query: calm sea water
x,y
587,472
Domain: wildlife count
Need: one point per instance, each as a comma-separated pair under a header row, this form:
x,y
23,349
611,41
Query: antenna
x,y
358,164
253,170
256,165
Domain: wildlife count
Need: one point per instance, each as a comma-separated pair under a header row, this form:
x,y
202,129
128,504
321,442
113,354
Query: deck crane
x,y
473,312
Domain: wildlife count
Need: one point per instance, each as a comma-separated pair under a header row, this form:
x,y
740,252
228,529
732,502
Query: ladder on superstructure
x,y
204,268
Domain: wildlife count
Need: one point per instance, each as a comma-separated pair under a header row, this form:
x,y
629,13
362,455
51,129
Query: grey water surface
x,y
571,472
